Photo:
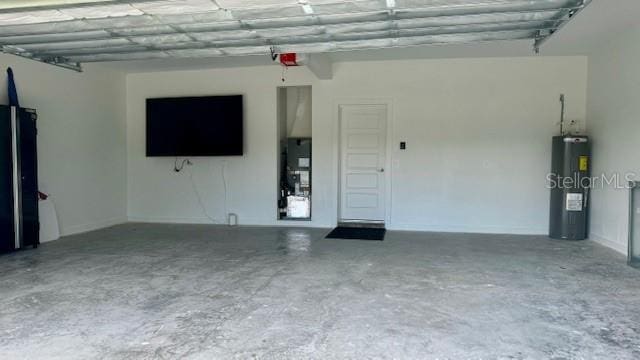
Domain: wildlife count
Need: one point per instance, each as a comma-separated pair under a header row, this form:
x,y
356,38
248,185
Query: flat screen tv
x,y
195,126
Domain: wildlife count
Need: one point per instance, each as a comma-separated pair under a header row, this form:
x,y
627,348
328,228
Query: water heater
x,y
570,182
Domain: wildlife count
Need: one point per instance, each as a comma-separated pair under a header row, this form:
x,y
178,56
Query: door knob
x,y
381,170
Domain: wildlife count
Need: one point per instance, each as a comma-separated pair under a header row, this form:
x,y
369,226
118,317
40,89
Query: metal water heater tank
x,y
570,182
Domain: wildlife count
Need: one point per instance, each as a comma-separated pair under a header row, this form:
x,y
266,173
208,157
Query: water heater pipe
x,y
562,102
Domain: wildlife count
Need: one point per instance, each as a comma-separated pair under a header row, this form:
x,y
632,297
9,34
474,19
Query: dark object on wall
x,y
195,126
11,89
634,224
298,159
19,224
570,181
295,191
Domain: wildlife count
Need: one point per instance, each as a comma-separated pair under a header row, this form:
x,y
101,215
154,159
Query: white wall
x,y
478,134
299,109
614,123
81,139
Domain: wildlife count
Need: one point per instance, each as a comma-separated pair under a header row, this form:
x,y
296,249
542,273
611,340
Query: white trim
x,y
456,228
78,229
242,221
621,248
294,223
83,228
310,220
467,229
173,220
390,130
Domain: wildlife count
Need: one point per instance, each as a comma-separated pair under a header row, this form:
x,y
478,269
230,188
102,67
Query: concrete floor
x,y
205,292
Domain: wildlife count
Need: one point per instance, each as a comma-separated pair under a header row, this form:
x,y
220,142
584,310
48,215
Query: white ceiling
x,y
17,4
490,49
600,20
68,32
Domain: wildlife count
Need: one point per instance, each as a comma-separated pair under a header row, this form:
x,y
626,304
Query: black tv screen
x,y
195,126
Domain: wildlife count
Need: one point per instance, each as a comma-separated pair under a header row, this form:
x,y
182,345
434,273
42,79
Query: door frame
x,y
388,166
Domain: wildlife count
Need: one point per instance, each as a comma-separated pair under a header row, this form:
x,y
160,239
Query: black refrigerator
x,y
19,224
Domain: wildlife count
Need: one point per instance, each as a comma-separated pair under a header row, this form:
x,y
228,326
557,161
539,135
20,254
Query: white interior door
x,y
363,134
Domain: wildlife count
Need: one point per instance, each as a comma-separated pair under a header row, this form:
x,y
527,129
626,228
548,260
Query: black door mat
x,y
353,233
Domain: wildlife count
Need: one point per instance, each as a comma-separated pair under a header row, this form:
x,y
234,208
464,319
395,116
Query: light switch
x,y
403,145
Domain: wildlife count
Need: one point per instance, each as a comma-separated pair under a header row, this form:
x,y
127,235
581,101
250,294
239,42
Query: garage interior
x,y
319,179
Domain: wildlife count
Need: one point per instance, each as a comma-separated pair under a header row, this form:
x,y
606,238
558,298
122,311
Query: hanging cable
x,y
178,168
199,198
224,183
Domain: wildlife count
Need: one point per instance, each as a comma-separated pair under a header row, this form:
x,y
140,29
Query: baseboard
x,y
174,220
242,221
622,249
312,224
466,229
78,229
